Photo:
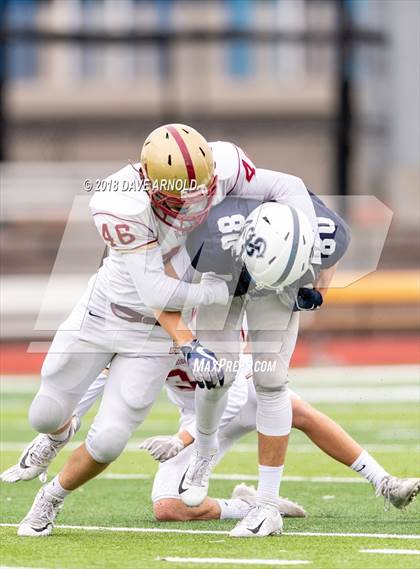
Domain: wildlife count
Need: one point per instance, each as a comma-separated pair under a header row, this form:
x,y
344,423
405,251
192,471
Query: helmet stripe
x,y
294,249
184,151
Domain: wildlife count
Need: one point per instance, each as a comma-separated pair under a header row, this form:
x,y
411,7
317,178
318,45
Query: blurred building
x,y
76,111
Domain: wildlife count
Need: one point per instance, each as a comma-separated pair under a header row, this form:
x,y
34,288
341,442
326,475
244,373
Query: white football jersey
x,y
124,217
123,214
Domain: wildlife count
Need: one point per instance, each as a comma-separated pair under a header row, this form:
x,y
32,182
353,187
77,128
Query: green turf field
x,y
389,429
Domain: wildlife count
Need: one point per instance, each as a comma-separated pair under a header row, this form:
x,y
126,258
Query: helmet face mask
x,y
178,166
187,212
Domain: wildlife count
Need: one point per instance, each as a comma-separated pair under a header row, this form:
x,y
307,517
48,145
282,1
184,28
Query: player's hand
x,y
204,365
308,299
217,286
162,448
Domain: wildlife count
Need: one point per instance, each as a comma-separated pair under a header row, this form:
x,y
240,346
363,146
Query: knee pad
x,y
274,413
270,373
46,414
106,444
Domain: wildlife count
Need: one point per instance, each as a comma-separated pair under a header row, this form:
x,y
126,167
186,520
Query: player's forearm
x,y
161,292
174,325
324,279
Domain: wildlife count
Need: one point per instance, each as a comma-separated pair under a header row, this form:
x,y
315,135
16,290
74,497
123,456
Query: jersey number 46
x,y
121,234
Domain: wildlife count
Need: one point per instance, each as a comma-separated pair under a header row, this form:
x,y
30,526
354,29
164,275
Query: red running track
x,y
388,350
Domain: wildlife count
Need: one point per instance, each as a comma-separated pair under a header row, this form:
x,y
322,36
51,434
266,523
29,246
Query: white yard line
x,y
328,479
339,534
231,561
13,567
327,384
310,375
392,551
222,532
134,529
368,393
374,447
111,476
13,446
248,477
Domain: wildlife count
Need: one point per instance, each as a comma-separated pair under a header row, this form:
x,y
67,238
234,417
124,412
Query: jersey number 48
x,y
230,226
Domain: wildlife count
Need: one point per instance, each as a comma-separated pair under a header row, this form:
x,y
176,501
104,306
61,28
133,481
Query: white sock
x,y
233,509
206,445
55,489
269,479
366,466
60,437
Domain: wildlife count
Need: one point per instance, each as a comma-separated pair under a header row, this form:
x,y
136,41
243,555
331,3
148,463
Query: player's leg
x,y
272,332
218,328
167,504
234,424
50,445
168,483
68,369
132,386
334,441
92,395
237,421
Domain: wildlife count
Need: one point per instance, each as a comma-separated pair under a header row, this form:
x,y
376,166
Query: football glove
x,y
308,299
162,448
203,364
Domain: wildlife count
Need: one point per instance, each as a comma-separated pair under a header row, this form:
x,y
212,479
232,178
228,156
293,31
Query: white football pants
x,y
84,344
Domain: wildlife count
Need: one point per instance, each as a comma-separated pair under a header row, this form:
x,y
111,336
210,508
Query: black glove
x,y
308,299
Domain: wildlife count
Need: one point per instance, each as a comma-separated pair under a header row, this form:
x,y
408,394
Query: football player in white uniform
x,y
174,451
143,216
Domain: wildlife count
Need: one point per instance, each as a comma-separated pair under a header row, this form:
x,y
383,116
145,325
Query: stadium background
x,y
324,89
343,115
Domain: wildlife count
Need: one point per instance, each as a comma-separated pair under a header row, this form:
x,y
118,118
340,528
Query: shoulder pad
x,y
121,193
226,157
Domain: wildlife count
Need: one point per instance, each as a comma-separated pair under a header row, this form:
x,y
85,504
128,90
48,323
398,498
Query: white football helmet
x,y
276,245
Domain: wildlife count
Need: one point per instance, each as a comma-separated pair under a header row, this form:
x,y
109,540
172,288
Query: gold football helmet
x,y
177,163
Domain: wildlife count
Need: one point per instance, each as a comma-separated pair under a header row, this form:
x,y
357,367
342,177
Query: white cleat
x,y
399,492
37,457
287,508
194,484
39,521
261,521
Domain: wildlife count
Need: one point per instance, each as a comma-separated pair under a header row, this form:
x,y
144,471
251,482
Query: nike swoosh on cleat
x,y
257,529
181,488
39,530
22,461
